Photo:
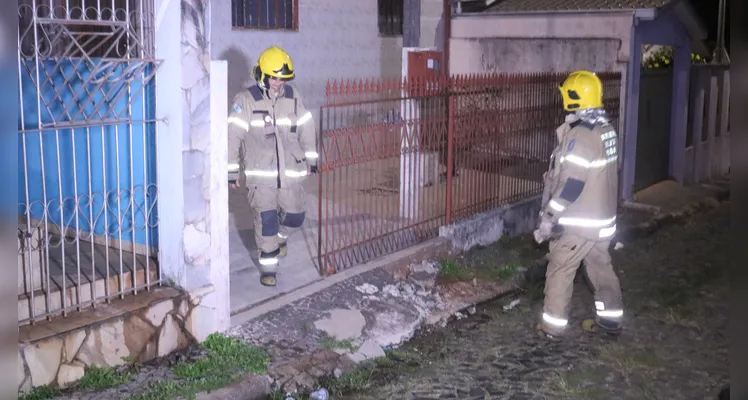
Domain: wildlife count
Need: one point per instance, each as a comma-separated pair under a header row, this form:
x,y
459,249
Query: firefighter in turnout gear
x,y
578,214
272,141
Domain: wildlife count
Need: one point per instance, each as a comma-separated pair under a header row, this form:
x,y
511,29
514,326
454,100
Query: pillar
x,y
193,192
631,116
679,111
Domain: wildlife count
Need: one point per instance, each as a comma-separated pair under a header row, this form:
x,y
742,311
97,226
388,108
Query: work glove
x,y
544,231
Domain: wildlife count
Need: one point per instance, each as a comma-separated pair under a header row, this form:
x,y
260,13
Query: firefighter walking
x,y
272,141
578,214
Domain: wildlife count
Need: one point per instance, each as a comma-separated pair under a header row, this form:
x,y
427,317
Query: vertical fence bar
x,y
130,138
146,209
321,160
450,156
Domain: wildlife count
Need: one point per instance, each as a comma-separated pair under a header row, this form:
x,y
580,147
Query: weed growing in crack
x,y
495,263
451,269
332,343
372,373
227,360
41,393
103,378
631,360
95,378
574,385
504,272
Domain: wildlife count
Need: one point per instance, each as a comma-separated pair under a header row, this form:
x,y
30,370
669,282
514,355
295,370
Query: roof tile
x,y
573,5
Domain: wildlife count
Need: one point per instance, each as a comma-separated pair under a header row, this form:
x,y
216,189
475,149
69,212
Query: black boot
x,y
610,328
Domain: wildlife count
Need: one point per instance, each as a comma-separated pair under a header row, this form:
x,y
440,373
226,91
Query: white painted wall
x,y
337,39
432,24
543,42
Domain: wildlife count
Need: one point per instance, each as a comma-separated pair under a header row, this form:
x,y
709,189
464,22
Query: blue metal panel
x,y
120,152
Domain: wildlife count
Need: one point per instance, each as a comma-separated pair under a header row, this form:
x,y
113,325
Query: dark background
x,y
708,10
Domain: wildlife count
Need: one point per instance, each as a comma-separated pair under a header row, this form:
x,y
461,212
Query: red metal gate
x,y
402,157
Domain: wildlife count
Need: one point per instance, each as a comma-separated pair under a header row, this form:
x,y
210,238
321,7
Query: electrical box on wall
x,y
425,64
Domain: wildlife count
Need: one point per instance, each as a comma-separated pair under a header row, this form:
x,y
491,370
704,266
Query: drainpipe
x,y
720,53
447,33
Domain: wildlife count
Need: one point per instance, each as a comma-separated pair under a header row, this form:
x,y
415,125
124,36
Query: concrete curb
x,y
464,306
434,248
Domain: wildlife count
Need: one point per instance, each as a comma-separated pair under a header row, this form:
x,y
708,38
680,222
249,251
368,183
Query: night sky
x,y
708,10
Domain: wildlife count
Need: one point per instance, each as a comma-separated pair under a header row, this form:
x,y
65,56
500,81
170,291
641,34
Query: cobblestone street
x,y
674,345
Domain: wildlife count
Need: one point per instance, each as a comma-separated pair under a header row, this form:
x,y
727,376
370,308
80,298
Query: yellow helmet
x,y
582,90
274,62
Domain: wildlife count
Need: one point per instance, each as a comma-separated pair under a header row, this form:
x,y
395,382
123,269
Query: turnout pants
x,y
566,255
278,214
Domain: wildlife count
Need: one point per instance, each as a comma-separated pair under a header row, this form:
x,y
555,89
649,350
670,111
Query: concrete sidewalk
x,y
325,328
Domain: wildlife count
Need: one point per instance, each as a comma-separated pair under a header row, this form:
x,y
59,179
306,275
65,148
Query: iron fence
x,y
402,157
87,143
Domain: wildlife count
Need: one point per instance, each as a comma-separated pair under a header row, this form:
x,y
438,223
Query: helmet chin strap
x,y
264,82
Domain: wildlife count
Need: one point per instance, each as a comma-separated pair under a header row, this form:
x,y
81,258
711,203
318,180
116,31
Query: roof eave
x,y
643,13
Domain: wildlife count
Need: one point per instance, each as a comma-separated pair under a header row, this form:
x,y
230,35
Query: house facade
x,y
125,239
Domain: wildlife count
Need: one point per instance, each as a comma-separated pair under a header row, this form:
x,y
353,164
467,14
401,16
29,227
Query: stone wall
x,y
488,227
135,329
196,138
193,189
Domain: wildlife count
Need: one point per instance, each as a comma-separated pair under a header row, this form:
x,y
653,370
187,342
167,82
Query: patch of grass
x,y
403,356
358,379
707,274
451,269
645,392
227,360
370,373
502,272
497,272
579,385
495,263
95,378
103,378
629,360
673,295
41,393
332,343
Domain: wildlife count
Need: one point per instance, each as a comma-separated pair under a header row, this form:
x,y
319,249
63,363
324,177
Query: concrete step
x,y
57,300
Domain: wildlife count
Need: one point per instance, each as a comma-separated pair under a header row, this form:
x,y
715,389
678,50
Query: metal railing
x,y
457,146
707,152
87,144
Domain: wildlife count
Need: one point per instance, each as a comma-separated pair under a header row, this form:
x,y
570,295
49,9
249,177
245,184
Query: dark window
x,y
265,14
391,17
